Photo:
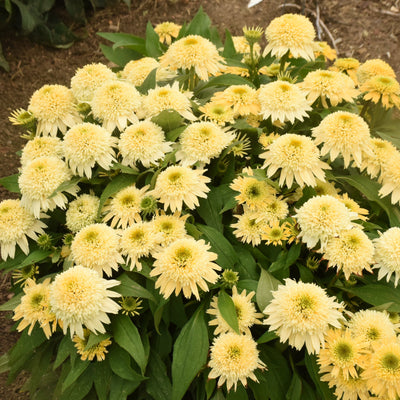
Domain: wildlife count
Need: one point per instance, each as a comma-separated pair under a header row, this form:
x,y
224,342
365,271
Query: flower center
x,y
234,352
240,91
304,304
343,351
91,237
128,200
166,226
373,334
137,235
253,190
190,41
36,300
182,256
390,362
174,177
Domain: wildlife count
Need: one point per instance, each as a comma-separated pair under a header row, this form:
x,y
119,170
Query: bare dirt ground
x,y
362,29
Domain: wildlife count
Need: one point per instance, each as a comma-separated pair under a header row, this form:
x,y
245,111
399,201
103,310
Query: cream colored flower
x,y
201,141
387,254
178,184
168,97
390,177
46,146
193,51
242,45
371,326
116,103
82,212
218,113
185,265
96,247
301,314
373,68
332,85
343,133
167,30
347,65
250,227
234,358
80,297
124,207
38,182
171,227
88,79
86,145
246,313
283,101
139,240
144,142
35,307
321,218
290,32
382,88
298,158
16,224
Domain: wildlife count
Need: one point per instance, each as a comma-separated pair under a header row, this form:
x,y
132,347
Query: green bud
x,y
230,278
44,242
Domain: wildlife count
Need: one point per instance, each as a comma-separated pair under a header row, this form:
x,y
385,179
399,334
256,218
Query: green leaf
x,y
95,339
4,363
229,47
118,183
168,120
129,287
3,62
227,257
65,349
66,185
12,303
120,362
193,341
295,388
158,386
11,183
30,16
119,56
266,285
76,9
149,83
267,337
239,394
121,388
200,25
81,387
225,80
153,46
371,189
378,294
227,309
76,371
127,336
102,379
312,368
23,260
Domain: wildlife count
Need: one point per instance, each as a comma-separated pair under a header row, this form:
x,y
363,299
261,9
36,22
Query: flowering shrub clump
x,y
209,220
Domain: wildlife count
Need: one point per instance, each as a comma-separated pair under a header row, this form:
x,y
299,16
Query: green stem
x,y
283,62
365,109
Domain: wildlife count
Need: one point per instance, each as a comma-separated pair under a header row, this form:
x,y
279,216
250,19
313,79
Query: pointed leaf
x,y
227,309
266,285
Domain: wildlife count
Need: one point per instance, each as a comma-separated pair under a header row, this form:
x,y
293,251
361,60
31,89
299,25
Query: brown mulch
x,y
361,28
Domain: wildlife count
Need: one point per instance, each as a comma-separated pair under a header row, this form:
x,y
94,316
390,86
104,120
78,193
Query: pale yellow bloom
x,y
98,350
82,212
167,30
373,68
41,147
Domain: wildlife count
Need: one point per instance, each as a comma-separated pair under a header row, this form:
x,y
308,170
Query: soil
x,y
362,29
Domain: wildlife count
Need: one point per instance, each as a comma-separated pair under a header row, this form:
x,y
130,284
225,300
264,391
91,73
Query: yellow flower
x,y
16,223
242,45
168,97
321,218
193,51
246,313
252,192
275,233
283,101
86,145
322,188
387,254
250,227
342,355
218,113
185,265
242,98
98,350
54,107
347,65
144,142
234,358
382,374
116,103
167,30
96,247
178,184
324,49
371,326
353,206
41,147
298,158
82,212
38,182
124,207
343,133
35,307
290,32
383,88
171,227
332,85
80,296
88,79
390,177
201,141
348,389
301,314
373,68
139,240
